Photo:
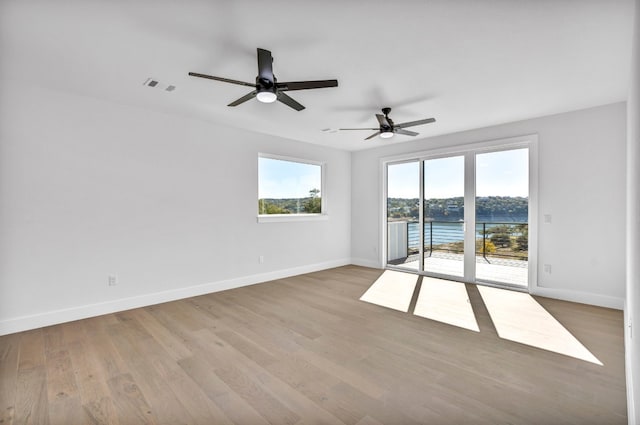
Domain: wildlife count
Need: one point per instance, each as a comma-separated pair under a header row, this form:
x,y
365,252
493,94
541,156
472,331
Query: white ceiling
x,y
468,63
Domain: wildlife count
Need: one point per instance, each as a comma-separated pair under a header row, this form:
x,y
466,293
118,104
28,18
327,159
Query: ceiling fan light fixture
x,y
386,134
266,96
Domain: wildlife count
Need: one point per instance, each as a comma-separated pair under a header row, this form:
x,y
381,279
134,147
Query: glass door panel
x,y
443,212
502,212
403,215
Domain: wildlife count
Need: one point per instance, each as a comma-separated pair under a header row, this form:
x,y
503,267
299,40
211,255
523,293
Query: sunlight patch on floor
x,y
393,290
518,317
447,302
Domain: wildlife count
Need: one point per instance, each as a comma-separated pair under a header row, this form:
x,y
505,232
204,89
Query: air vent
x,y
150,82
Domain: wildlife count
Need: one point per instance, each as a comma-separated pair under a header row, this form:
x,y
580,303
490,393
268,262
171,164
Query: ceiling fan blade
x,y
265,65
243,99
287,100
373,135
412,123
224,80
383,120
405,132
357,129
304,85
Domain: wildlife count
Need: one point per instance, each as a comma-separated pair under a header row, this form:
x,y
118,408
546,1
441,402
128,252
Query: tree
x,y
500,235
313,204
489,247
522,241
266,207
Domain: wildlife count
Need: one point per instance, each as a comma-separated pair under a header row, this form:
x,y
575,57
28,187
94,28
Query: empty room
x,y
296,212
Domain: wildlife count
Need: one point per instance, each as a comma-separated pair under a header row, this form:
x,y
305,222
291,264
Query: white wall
x,y
632,310
581,183
90,188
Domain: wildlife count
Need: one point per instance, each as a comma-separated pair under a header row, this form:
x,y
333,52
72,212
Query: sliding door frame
x,y
469,152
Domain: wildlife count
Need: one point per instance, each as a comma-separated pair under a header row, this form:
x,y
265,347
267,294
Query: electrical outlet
x,y
547,268
261,259
112,280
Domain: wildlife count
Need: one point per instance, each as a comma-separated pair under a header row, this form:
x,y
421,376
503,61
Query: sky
x,y
279,179
503,173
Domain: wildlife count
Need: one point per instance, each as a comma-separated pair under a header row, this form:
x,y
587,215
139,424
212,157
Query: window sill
x,y
282,218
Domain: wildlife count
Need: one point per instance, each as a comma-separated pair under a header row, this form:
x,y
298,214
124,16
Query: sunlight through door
x,y
446,301
393,290
519,318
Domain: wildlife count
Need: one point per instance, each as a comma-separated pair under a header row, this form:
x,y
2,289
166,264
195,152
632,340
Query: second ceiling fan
x,y
388,128
267,89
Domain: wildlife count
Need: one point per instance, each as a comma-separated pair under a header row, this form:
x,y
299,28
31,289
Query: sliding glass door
x,y
502,215
462,216
403,215
443,217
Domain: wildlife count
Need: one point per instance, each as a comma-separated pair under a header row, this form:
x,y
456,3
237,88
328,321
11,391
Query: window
x,y
289,189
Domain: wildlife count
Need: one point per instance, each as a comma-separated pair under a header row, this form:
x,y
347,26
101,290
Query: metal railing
x,y
493,239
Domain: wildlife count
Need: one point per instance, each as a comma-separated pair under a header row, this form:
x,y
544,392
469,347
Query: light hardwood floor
x,y
305,350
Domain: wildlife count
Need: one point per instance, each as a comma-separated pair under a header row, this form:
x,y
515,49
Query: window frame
x,y
280,218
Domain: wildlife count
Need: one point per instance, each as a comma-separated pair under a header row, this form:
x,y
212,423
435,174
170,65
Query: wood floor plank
x,y
246,347
170,342
32,405
220,354
202,409
240,318
95,397
149,375
182,395
9,354
130,404
61,380
305,350
31,350
234,407
102,348
68,410
101,411
314,384
252,392
368,420
54,338
73,332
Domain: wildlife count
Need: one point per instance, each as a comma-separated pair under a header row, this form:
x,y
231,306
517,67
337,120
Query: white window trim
x,y
283,218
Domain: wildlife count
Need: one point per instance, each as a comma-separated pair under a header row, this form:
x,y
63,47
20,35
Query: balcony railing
x,y
493,239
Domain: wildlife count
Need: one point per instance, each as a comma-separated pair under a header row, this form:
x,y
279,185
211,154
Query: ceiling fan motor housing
x,y
266,90
265,83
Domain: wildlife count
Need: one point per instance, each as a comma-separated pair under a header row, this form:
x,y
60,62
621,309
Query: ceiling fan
x,y
387,128
267,88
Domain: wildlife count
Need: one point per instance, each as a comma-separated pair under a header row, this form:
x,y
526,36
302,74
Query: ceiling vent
x,y
150,82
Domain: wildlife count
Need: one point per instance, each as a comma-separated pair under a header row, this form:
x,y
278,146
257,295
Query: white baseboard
x,y
365,263
579,297
39,320
34,321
